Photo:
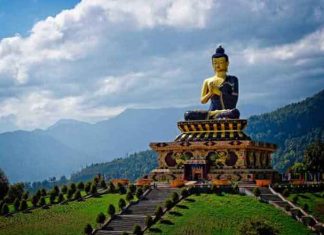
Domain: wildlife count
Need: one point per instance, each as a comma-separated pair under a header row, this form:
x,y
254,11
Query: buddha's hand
x,y
213,88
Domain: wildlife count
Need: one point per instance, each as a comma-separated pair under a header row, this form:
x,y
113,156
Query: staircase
x,y
136,213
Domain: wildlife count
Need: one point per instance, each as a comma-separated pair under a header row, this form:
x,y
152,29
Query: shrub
x,y
88,229
87,187
77,195
148,221
121,203
168,204
16,204
256,192
80,185
158,212
4,209
175,197
129,196
132,188
25,195
121,189
42,201
23,205
286,192
93,190
111,210
287,207
38,193
139,193
64,189
103,184
101,218
137,229
60,198
184,193
56,190
257,227
35,200
306,207
73,188
295,199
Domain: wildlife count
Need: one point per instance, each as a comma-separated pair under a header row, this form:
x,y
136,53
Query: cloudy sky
x,y
91,59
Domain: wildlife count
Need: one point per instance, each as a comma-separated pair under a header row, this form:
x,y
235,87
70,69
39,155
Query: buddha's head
x,y
220,60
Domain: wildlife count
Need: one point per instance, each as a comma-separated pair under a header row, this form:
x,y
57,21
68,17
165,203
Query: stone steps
x,y
137,212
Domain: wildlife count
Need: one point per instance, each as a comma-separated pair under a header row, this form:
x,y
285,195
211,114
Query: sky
x,y
89,60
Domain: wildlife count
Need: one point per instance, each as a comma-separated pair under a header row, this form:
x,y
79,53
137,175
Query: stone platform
x,y
213,149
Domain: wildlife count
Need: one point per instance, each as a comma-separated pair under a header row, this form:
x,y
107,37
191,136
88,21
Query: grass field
x,y
315,202
59,219
212,214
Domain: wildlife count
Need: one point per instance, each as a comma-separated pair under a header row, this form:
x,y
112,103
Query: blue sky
x,y
90,61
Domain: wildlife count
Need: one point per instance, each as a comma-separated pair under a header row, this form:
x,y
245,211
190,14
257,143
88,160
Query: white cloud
x,y
103,56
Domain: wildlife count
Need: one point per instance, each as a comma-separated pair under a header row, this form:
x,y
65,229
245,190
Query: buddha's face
x,y
220,64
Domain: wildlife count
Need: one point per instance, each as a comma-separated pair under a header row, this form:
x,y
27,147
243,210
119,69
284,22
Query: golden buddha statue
x,y
221,89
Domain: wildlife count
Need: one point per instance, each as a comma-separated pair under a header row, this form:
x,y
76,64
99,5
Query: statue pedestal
x,y
213,149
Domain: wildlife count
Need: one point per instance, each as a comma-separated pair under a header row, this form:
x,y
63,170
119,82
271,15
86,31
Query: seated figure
x,y
222,91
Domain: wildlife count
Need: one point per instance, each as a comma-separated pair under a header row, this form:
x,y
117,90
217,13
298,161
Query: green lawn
x,y
212,214
59,219
315,202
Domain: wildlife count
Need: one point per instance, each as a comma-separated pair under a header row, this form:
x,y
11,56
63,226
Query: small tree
x,y
132,188
158,212
121,203
139,193
93,190
148,221
111,187
4,209
4,184
168,204
88,229
35,200
42,201
23,205
77,195
69,194
64,189
73,187
121,189
295,199
175,197
60,198
80,185
184,193
111,210
256,192
101,218
39,193
56,189
16,204
87,187
129,196
103,184
137,229
43,192
52,197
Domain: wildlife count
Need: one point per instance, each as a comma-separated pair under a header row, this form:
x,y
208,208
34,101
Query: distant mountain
x,y
69,145
292,128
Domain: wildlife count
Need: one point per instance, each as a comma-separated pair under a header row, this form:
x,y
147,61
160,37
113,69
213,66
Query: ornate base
x,y
210,150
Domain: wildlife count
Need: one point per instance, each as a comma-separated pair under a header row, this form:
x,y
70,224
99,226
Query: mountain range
x,y
70,145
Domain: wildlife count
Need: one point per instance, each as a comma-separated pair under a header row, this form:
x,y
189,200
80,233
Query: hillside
x,y
292,128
